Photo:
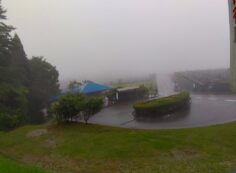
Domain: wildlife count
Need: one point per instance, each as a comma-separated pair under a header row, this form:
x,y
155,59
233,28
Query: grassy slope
x,y
97,149
8,166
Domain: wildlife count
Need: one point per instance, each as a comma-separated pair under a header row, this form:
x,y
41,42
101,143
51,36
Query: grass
x,y
9,166
78,148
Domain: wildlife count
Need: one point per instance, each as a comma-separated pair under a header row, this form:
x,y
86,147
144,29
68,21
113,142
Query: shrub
x,y
9,121
68,107
71,106
161,106
92,106
13,106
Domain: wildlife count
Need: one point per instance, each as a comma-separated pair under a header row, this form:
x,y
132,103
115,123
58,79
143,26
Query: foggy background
x,y
98,39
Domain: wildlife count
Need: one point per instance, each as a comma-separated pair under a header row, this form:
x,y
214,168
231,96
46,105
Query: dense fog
x,y
91,39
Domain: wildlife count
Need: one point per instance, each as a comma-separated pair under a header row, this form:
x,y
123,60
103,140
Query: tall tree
x,y
5,38
5,44
25,85
44,85
13,102
19,62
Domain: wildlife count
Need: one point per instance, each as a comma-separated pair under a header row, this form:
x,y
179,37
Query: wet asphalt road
x,y
204,110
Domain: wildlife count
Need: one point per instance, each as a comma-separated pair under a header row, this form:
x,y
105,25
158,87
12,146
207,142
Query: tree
x,y
13,106
5,44
5,39
74,84
92,106
44,84
19,63
22,81
13,97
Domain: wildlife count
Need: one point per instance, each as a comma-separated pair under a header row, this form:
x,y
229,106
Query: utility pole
x,y
232,21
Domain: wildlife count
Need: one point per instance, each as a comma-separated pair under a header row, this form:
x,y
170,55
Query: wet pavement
x,y
204,110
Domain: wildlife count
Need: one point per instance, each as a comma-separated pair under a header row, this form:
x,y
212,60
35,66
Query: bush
x,y
162,106
13,99
9,121
72,106
92,106
13,106
68,107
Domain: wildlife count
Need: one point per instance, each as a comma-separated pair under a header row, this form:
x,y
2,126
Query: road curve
x,y
205,110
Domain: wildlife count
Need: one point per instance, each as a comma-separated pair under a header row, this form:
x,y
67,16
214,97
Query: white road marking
x,y
230,100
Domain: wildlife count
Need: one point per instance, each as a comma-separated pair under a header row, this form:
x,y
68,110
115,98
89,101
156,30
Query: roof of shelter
x,y
90,87
127,88
87,88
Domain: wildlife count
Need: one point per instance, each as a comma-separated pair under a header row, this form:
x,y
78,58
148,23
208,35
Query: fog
x,y
97,39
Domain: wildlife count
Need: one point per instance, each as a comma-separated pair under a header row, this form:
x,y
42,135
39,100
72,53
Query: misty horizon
x,y
98,40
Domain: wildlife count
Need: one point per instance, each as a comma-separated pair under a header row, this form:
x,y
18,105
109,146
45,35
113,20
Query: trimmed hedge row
x,y
161,106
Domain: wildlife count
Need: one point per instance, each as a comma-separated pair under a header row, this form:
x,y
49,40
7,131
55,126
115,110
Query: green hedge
x,y
161,106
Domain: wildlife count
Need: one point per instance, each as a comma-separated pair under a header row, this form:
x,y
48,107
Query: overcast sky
x,y
94,38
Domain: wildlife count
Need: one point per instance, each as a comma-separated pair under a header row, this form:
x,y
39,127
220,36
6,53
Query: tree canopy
x,y
25,85
44,85
19,63
5,38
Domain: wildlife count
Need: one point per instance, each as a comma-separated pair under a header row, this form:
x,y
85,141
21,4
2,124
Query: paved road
x,y
204,110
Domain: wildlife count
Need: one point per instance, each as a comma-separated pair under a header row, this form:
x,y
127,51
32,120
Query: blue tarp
x,y
86,88
91,87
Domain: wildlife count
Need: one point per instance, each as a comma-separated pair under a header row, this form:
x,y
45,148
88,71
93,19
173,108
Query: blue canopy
x,y
91,87
87,88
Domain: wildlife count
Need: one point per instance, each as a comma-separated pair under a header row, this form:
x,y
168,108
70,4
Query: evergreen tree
x,y
25,85
19,62
44,85
5,44
5,39
13,97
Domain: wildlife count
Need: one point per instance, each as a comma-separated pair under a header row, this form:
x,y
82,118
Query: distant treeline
x,y
25,84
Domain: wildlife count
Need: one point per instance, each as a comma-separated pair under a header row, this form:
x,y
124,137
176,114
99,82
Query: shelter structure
x,y
91,88
88,88
131,93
